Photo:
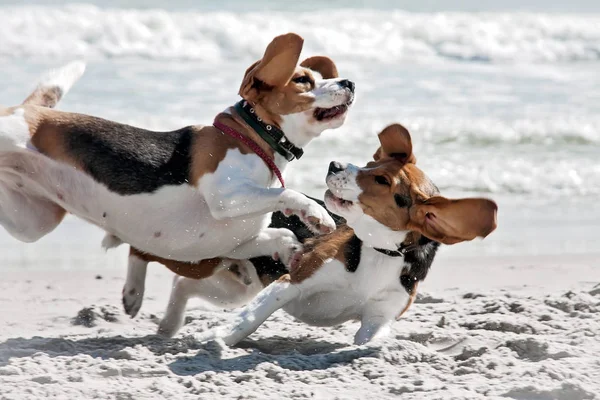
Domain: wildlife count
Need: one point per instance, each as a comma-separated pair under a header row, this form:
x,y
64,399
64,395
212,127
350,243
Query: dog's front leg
x,y
373,323
371,328
280,243
269,300
245,200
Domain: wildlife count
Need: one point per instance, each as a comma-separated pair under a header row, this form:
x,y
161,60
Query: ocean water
x,y
502,100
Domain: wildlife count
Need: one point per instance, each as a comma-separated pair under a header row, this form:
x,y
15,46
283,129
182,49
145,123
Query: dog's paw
x,y
170,324
232,335
287,245
207,336
165,330
132,299
316,218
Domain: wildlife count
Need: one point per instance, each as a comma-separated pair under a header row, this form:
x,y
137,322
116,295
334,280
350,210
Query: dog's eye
x,y
301,79
382,180
402,201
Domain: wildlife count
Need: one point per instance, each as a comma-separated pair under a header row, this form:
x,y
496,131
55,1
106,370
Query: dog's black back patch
x,y
130,160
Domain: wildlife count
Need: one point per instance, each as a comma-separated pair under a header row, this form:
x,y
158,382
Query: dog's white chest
x,y
333,295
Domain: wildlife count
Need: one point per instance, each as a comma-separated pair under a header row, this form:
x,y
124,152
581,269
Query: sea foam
x,y
385,36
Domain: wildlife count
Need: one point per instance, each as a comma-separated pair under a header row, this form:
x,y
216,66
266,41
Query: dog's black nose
x,y
347,84
335,167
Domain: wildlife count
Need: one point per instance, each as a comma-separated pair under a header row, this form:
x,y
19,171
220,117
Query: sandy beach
x,y
501,99
495,327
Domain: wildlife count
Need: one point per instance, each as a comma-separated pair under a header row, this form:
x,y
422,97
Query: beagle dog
x,y
191,194
224,282
368,270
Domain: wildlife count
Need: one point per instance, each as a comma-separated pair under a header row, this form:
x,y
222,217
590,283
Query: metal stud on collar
x,y
259,119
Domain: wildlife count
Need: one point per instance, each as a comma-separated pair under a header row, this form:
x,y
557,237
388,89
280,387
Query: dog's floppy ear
x,y
395,143
378,154
277,66
453,221
323,65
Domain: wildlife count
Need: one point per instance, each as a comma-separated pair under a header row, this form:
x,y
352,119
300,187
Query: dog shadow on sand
x,y
110,347
303,354
290,353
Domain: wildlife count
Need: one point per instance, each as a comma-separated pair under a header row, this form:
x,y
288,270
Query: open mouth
x,y
325,114
338,201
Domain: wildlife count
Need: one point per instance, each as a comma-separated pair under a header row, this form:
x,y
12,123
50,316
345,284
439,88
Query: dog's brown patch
x,y
211,146
270,102
318,250
407,183
194,270
323,65
49,130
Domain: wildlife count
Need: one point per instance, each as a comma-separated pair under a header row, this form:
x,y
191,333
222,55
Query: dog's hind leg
x,y
233,285
133,290
24,212
26,216
183,289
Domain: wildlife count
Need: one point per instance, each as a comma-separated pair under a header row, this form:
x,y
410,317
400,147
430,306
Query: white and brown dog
x,y
190,194
370,269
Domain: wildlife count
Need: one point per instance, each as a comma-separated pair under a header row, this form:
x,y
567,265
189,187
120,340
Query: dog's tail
x,y
55,84
14,128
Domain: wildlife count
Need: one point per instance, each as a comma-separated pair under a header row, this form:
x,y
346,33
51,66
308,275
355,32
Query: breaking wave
x,y
385,36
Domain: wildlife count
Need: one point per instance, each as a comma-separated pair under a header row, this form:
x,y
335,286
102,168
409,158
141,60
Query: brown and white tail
x,y
55,84
14,129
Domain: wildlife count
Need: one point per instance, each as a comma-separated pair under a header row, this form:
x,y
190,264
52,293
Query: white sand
x,y
522,328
